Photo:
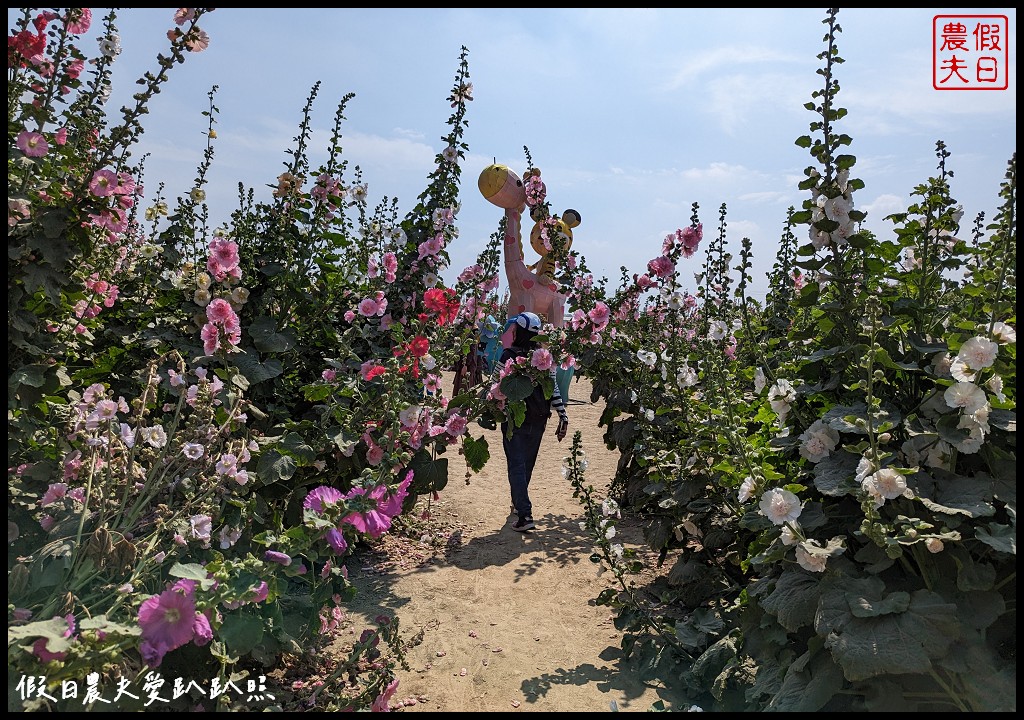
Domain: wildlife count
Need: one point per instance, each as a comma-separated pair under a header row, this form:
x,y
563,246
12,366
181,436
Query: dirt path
x,y
508,619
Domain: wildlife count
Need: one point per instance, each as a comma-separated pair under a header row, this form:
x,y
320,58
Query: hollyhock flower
x,y
759,380
965,395
277,557
226,465
319,498
456,425
978,353
818,441
647,357
55,492
599,315
202,526
934,545
541,359
193,451
210,335
1003,333
808,560
336,539
219,311
228,536
718,330
747,488
380,703
780,506
371,369
995,384
184,15
329,375
168,622
368,307
409,415
661,266
788,536
197,40
374,453
155,436
686,377
885,484
33,144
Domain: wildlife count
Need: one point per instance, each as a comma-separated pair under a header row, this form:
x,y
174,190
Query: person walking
x,y
522,443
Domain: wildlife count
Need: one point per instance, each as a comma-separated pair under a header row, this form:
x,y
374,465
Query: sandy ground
x,y
508,620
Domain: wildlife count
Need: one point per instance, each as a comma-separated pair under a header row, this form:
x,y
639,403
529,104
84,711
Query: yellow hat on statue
x,y
502,187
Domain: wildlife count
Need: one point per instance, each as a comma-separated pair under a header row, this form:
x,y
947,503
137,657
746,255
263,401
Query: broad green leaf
x,y
998,536
476,451
808,685
953,494
794,599
836,475
241,631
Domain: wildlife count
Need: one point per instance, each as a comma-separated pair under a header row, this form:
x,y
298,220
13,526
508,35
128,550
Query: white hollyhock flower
x,y
155,436
960,371
647,357
747,488
965,395
686,377
788,537
890,483
718,330
818,441
759,380
995,384
978,352
934,545
1003,333
812,562
941,363
780,506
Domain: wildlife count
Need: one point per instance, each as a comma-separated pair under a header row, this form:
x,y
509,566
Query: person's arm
x,y
558,405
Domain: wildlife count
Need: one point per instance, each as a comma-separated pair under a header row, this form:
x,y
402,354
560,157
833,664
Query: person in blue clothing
x,y
522,443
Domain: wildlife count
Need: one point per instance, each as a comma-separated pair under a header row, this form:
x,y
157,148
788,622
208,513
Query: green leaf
x,y
241,632
192,571
476,451
273,466
296,447
794,599
516,387
266,338
952,494
999,537
804,141
891,644
53,630
896,602
255,371
428,474
810,683
836,475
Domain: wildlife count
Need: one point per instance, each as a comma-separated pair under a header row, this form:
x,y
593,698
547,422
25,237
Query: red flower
x,y
419,346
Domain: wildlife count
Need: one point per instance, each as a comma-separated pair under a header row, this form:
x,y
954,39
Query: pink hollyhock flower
x,y
211,338
79,20
374,454
33,144
184,15
599,315
456,425
661,266
53,493
61,136
380,704
103,183
168,622
368,307
329,375
219,311
541,359
569,361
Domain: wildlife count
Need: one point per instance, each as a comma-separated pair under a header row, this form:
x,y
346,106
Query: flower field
x,y
207,416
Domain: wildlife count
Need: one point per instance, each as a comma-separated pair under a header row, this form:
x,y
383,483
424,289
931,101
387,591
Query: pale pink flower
x,y
541,359
812,562
219,311
368,307
33,144
211,338
456,425
103,183
978,353
780,506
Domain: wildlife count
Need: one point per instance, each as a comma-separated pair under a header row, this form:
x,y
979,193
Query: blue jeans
x,y
521,452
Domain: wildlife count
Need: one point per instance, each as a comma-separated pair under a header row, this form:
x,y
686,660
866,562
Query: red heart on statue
x,y
527,284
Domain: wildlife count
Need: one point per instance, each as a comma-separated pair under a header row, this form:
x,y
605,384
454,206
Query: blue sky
x,y
632,115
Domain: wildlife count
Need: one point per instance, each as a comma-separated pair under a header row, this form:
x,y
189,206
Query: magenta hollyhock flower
x,y
33,144
320,497
277,557
336,540
168,622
